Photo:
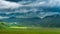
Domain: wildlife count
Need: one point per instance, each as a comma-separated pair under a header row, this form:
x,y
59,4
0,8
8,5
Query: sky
x,y
29,8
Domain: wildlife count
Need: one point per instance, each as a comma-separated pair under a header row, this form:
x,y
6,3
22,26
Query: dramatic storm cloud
x,y
29,8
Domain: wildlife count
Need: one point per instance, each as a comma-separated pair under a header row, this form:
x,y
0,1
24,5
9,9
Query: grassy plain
x,y
32,30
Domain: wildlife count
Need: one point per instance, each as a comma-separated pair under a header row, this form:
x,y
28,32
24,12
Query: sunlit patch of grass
x,y
19,27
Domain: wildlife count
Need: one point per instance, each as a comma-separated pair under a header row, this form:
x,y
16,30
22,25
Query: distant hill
x,y
48,21
51,21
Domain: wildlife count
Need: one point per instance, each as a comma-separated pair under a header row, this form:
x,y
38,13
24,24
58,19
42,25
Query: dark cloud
x,y
14,0
19,0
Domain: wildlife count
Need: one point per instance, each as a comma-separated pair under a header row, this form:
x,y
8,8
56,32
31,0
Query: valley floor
x,y
31,31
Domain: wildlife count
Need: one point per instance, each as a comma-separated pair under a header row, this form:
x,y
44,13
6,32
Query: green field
x,y
34,30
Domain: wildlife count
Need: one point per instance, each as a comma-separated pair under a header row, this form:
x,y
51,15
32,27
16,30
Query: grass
x,y
33,30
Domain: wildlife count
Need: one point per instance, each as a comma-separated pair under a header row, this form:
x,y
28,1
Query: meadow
x,y
33,30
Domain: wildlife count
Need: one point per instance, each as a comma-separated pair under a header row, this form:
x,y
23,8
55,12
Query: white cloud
x,y
1,17
48,3
6,4
52,3
43,2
